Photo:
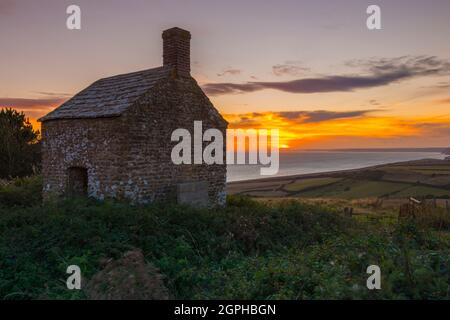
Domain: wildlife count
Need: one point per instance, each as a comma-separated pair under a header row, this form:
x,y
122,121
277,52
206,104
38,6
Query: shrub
x,y
247,250
21,191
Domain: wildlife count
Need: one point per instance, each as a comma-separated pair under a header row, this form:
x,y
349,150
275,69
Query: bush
x,y
247,250
21,191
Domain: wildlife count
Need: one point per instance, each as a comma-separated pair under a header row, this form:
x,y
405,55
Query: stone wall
x,y
171,105
99,145
129,157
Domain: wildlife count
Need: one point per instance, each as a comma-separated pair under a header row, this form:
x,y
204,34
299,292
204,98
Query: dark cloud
x,y
54,94
321,115
35,108
225,88
24,103
438,130
443,85
246,122
378,72
311,85
415,65
229,71
301,116
289,68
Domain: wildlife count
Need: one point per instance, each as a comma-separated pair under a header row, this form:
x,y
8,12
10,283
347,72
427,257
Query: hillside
x,y
422,178
249,250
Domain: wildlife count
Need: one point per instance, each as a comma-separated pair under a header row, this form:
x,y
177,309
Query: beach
x,y
309,162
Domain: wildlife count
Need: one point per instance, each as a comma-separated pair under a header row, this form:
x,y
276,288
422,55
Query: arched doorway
x,y
77,184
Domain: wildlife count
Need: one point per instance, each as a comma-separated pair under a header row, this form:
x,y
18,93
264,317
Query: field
x,y
419,179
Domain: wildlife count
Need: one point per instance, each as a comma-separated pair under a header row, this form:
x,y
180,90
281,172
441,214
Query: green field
x,y
304,184
418,191
351,189
424,178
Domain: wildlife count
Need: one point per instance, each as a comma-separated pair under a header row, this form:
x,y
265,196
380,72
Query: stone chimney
x,y
176,50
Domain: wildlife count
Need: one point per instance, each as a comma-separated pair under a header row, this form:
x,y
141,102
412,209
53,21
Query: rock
x,y
128,278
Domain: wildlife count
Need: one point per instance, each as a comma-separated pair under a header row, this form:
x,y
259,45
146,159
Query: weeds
x,y
248,250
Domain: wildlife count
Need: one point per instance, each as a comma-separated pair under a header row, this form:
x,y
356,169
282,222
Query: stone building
x,y
113,139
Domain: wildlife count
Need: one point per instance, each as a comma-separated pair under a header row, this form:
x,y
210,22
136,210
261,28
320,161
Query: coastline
x,y
328,173
402,174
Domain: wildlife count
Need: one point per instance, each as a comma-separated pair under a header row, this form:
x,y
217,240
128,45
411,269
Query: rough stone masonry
x,y
113,139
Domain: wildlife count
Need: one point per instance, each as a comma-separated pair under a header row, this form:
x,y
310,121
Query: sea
x,y
305,162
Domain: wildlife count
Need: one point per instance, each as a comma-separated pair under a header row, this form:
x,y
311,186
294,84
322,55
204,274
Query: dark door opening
x,y
77,182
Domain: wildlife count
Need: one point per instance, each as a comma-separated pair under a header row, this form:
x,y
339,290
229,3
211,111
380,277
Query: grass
x,y
427,170
433,172
419,191
304,184
248,250
355,189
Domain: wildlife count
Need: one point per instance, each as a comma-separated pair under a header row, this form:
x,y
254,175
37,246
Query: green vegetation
x,y
248,250
19,145
355,189
422,178
21,191
304,184
424,191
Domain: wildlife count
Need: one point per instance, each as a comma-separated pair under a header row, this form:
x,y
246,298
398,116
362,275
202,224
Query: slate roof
x,y
109,97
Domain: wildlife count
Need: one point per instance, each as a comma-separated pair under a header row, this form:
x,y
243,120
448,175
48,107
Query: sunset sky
x,y
311,69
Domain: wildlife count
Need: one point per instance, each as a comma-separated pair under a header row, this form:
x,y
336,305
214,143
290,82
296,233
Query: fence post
x,y
348,211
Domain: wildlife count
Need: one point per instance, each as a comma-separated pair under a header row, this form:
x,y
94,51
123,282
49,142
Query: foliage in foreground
x,y
248,250
25,191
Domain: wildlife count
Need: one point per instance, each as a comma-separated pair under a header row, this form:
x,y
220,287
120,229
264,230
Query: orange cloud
x,y
303,128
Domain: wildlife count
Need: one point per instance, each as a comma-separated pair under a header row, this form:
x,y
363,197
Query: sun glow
x,y
296,132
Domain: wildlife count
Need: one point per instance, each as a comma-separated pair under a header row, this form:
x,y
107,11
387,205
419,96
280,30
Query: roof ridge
x,y
133,73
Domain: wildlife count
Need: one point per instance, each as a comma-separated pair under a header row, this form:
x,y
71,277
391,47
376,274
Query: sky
x,y
311,69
